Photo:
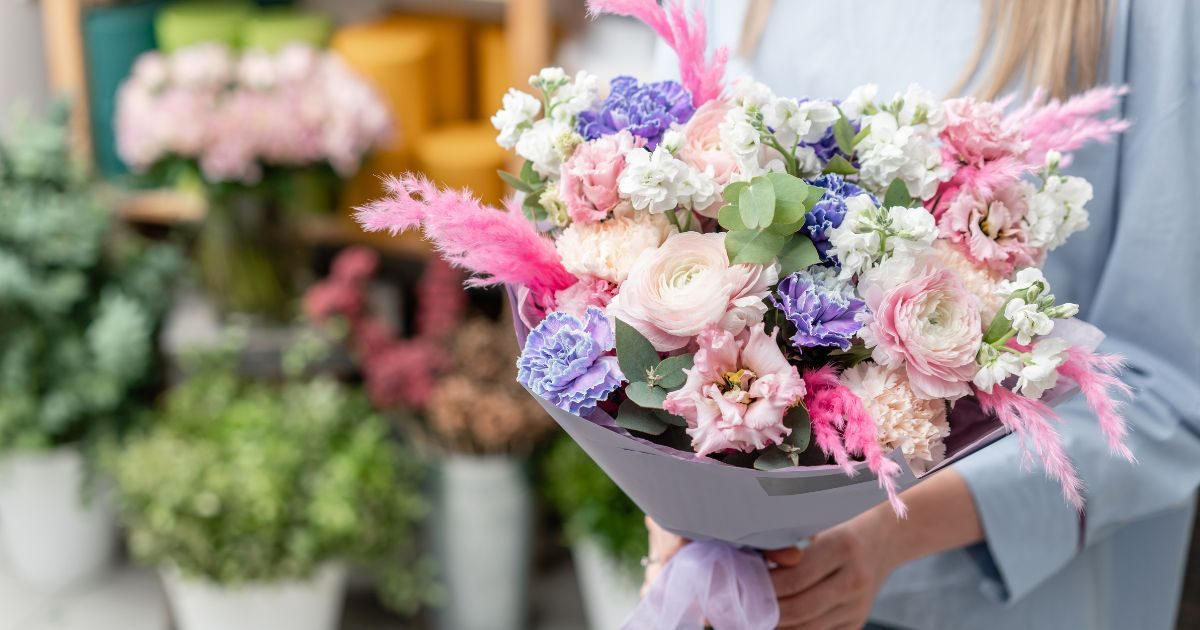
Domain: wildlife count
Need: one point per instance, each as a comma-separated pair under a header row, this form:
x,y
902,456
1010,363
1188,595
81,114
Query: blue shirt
x,y
1135,273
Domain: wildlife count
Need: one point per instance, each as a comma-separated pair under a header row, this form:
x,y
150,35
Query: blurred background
x,y
222,405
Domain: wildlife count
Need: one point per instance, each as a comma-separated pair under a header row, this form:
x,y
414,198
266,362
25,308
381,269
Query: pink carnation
x,y
929,326
738,392
589,291
990,231
589,177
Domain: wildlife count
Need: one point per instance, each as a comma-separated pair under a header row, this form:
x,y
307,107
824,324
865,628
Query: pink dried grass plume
x,y
1096,375
685,33
833,407
498,247
1030,420
1065,126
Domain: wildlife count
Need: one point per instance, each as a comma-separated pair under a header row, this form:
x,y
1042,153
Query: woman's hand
x,y
663,545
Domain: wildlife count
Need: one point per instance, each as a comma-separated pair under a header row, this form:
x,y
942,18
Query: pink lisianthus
x,y
589,178
738,392
990,231
704,150
929,326
589,291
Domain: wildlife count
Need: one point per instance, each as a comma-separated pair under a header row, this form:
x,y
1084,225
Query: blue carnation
x,y
646,110
566,360
824,312
830,210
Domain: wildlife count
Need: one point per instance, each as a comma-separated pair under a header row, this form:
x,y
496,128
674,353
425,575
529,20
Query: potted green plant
x,y
80,303
253,499
606,531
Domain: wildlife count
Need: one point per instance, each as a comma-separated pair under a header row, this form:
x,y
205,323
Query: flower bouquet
x,y
262,133
736,302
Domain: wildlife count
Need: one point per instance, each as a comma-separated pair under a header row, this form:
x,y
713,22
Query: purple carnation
x,y
824,312
646,110
829,210
566,360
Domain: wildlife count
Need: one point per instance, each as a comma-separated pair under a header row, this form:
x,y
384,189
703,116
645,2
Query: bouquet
x,y
734,300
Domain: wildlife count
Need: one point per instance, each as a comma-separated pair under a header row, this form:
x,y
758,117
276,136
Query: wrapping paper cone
x,y
272,29
451,64
464,156
186,23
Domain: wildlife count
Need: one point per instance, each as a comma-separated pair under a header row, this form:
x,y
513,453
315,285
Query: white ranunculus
x,y
609,248
1040,371
515,117
677,290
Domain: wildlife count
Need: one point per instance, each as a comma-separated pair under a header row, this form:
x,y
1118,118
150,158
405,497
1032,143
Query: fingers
x,y
786,557
838,618
816,562
819,602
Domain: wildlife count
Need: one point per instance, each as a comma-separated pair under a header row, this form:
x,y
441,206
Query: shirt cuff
x,y
1030,530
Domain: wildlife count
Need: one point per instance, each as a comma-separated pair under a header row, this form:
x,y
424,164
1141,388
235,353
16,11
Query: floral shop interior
x,y
224,404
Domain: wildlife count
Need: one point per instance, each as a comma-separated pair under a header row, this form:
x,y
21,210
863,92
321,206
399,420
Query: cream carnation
x,y
979,281
608,249
916,426
674,292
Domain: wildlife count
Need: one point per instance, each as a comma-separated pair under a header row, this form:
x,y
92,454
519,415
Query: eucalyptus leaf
x,y
646,395
799,253
670,371
791,193
843,134
733,191
669,418
773,458
897,195
514,181
840,166
757,203
632,417
786,229
730,218
814,195
636,356
757,247
530,176
798,420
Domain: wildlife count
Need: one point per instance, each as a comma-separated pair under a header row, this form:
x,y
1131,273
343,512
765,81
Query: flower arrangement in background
x,y
456,373
295,108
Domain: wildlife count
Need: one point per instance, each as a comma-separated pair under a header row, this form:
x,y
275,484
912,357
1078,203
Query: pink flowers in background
x,y
234,116
738,393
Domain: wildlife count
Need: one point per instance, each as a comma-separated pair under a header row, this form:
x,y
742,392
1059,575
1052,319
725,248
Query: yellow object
x,y
398,61
367,184
493,70
451,82
464,155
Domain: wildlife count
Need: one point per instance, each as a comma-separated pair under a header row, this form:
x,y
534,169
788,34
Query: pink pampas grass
x,y
684,33
1096,376
1067,125
832,406
498,247
1030,420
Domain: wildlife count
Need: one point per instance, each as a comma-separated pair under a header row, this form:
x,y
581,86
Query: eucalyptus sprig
x,y
650,380
764,217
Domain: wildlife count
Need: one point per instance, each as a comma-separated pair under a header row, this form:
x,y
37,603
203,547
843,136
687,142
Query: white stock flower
x,y
750,93
574,97
609,248
651,180
515,117
1027,320
1040,371
1025,279
697,190
996,367
869,234
548,79
673,140
1057,211
891,150
544,144
859,101
919,106
555,207
913,230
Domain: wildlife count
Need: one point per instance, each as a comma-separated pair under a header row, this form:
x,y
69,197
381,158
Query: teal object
x,y
114,37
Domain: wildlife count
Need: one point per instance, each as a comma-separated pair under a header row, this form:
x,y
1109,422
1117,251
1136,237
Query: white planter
x,y
315,604
609,593
54,535
483,531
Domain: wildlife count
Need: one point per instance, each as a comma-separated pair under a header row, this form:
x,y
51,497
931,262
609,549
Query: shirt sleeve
x,y
1147,301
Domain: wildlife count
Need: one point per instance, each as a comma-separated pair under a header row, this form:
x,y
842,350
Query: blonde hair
x,y
1058,45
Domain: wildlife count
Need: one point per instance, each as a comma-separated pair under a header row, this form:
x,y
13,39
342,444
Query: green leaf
x,y
814,195
669,418
670,371
632,417
843,133
532,209
862,134
798,421
757,203
730,218
773,458
646,395
733,191
897,195
840,165
758,246
530,176
999,327
791,193
786,229
514,181
635,354
799,253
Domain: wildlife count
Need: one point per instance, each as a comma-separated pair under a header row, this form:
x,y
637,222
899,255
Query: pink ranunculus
x,y
687,284
704,150
738,392
990,231
589,177
976,133
929,326
589,291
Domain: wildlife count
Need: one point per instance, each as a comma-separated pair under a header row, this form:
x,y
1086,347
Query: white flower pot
x,y
609,593
483,530
55,534
315,604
